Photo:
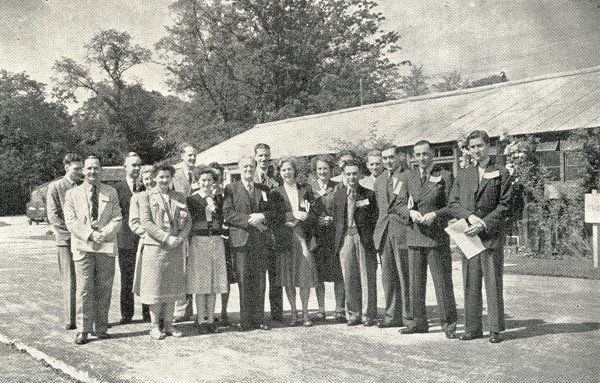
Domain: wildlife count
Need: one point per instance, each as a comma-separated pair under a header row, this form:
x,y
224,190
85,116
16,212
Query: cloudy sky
x,y
524,38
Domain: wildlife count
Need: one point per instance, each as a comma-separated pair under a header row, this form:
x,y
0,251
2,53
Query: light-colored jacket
x,y
77,210
135,224
156,220
181,183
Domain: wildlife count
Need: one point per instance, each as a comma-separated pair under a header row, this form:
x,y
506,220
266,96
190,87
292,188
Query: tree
x,y
34,135
414,84
116,118
255,61
451,81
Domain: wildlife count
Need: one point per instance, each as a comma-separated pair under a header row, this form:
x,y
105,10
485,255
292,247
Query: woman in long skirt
x,y
206,268
293,237
165,218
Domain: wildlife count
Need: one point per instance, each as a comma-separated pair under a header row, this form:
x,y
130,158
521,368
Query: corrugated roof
x,y
557,102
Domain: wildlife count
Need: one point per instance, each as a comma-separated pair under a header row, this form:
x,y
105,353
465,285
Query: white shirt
x,y
292,193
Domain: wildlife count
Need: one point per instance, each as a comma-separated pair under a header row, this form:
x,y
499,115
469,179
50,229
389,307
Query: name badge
x,y
179,205
322,192
398,187
361,203
264,196
435,180
490,175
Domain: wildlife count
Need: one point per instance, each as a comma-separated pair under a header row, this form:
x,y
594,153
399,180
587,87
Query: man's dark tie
x,y
94,201
190,177
135,187
390,187
423,178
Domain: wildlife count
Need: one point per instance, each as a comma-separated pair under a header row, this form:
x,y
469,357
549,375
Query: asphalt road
x,y
553,335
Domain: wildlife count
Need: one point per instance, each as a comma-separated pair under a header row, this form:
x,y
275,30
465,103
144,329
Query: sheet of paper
x,y
470,246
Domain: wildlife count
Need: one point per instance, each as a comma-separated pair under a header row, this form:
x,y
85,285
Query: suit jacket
x,y
393,213
135,224
432,196
237,207
283,212
488,200
180,180
55,200
270,182
78,216
160,220
127,239
365,217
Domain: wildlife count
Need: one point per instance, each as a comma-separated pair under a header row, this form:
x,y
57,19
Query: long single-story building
x,y
547,106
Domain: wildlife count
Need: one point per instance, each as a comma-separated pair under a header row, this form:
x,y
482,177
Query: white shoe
x,y
156,334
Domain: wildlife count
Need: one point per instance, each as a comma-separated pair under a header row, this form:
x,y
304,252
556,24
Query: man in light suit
x,y
93,217
127,239
182,182
375,166
482,195
55,200
390,238
355,214
427,189
247,211
262,156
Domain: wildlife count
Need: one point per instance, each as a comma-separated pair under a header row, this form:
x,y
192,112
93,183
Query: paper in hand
x,y
469,245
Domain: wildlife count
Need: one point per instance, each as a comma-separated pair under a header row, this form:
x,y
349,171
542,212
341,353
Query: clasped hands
x,y
173,242
477,225
426,219
98,238
298,216
258,221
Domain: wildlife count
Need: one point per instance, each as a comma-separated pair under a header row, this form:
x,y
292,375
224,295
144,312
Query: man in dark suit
x,y
246,209
390,238
127,239
354,217
427,188
262,156
55,201
183,181
481,195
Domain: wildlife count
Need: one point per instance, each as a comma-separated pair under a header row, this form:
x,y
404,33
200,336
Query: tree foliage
x,y
34,135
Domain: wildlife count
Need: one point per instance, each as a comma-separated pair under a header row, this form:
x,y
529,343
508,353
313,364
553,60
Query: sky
x,y
523,38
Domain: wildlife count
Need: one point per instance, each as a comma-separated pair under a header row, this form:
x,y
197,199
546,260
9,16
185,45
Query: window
x,y
573,168
551,161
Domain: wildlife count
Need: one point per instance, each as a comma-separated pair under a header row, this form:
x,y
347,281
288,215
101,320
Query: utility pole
x,y
360,85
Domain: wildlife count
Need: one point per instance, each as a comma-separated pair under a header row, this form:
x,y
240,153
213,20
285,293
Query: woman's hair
x,y
148,169
289,160
165,167
199,171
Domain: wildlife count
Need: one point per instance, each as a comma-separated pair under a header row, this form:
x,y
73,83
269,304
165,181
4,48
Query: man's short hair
x,y
242,158
70,158
345,152
351,162
422,142
478,134
183,146
396,149
261,145
218,166
130,155
92,157
374,153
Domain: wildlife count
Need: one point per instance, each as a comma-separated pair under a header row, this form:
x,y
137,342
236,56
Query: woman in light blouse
x,y
292,237
165,218
206,269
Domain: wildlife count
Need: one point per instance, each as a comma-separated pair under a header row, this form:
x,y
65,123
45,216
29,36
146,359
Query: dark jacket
x,y
489,200
365,217
284,213
127,239
197,207
393,212
432,196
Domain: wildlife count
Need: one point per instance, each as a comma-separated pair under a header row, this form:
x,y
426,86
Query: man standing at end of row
x,y
427,188
482,195
390,238
93,217
55,200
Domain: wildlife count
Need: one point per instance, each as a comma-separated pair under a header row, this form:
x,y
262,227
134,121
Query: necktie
x,y
390,187
250,189
135,187
190,177
423,178
351,207
94,201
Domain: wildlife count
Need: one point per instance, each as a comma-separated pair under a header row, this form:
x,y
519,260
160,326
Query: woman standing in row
x,y
165,218
292,237
326,260
206,268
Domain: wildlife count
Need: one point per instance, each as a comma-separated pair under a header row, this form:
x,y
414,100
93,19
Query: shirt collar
x,y
322,185
485,164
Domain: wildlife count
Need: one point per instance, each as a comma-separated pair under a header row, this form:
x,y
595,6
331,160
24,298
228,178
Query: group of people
x,y
181,238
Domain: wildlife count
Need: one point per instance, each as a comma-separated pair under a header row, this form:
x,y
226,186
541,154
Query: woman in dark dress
x,y
326,260
292,202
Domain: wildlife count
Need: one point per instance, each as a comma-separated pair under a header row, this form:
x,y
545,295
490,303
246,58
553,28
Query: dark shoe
x,y
146,318
354,322
102,335
181,319
264,327
70,327
320,317
414,330
202,328
173,332
340,317
368,322
495,337
451,334
81,338
294,320
388,325
243,328
469,336
277,318
125,321
213,328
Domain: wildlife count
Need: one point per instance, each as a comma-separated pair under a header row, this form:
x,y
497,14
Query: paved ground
x,y
553,335
18,366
